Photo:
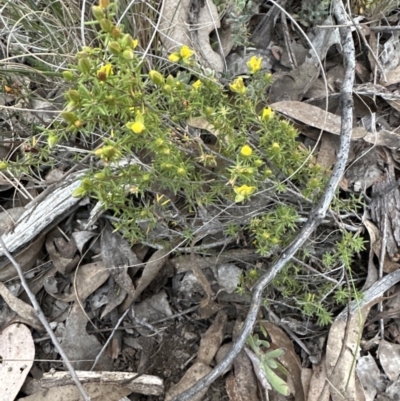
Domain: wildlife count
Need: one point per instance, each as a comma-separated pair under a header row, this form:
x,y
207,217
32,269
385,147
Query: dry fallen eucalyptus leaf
x,y
80,346
241,384
197,371
212,339
315,117
25,311
341,351
17,352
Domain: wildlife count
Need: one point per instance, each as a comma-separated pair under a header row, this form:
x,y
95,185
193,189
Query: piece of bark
x,y
145,384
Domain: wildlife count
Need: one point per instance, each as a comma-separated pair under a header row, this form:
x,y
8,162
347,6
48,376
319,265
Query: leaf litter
x,y
69,269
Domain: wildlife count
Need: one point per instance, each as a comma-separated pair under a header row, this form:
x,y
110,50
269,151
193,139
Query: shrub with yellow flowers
x,y
148,165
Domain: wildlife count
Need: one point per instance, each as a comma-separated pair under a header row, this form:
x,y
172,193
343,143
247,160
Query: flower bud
x,y
167,89
69,117
79,192
106,25
3,165
97,12
68,75
114,48
128,54
171,81
127,40
73,96
84,65
209,111
52,140
115,33
100,176
156,77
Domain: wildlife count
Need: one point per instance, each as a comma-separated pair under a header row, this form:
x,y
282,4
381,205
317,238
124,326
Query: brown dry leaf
x,y
96,392
24,310
197,371
289,359
375,244
79,345
392,76
202,123
115,297
369,375
81,238
318,390
388,355
177,31
384,138
328,149
17,352
151,270
314,116
88,279
26,259
118,257
306,375
212,339
342,349
241,385
207,306
62,252
293,85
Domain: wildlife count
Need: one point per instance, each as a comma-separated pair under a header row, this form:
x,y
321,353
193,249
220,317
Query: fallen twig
x,y
316,216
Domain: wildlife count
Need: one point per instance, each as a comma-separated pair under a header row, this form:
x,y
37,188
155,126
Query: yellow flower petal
x,y
246,151
196,85
174,57
185,52
238,86
104,72
137,127
254,64
267,114
243,192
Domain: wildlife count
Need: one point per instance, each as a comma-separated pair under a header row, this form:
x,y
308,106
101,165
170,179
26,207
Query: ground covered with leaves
x,y
199,193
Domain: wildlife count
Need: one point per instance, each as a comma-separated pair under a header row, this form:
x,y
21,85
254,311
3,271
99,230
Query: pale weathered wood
x,y
144,384
41,214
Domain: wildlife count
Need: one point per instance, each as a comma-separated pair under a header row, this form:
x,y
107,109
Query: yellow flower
x,y
174,57
137,127
275,146
243,192
104,72
238,86
185,52
246,151
134,44
254,64
267,114
196,85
